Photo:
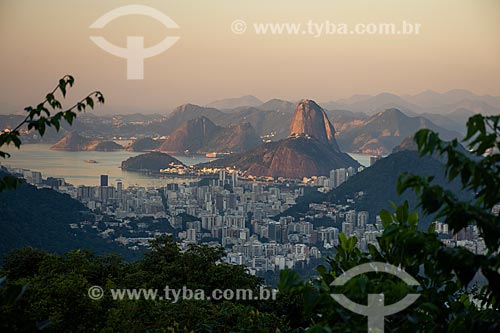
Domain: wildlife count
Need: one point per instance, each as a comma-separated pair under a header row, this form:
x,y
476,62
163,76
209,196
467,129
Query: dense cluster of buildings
x,y
118,202
468,237
245,217
337,178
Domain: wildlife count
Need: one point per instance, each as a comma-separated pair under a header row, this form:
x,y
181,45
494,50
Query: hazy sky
x,y
458,47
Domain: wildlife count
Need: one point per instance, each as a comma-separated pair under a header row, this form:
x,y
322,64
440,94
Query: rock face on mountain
x,y
190,136
235,138
311,120
153,161
184,113
270,124
103,146
310,150
202,135
74,142
294,157
71,142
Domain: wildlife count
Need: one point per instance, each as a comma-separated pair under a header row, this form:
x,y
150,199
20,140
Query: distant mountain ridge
x,y
74,142
374,104
202,135
383,131
431,99
184,113
232,103
310,150
278,105
271,119
427,101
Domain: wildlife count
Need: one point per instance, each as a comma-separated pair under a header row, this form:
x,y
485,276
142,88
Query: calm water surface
x,y
71,165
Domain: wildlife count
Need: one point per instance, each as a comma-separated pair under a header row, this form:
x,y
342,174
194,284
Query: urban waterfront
x,y
72,166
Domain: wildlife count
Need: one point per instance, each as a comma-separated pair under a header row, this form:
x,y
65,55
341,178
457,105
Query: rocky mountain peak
x,y
311,120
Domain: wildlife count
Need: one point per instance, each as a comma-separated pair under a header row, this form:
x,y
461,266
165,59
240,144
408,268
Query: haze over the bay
x,y
40,41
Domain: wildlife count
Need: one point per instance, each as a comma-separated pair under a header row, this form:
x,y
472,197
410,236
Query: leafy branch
x,y
478,170
48,113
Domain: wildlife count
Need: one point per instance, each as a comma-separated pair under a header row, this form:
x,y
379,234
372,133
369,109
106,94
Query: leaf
x,y
288,280
373,251
343,241
41,127
386,217
321,270
68,116
351,244
16,140
70,80
413,219
4,154
55,104
100,98
402,213
90,102
50,98
62,87
55,121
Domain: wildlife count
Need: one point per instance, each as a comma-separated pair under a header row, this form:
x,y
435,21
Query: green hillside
x,y
40,218
378,184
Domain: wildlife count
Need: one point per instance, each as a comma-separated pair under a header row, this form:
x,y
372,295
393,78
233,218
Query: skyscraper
x,y
104,180
347,228
234,179
362,219
275,231
338,176
350,217
351,171
222,177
